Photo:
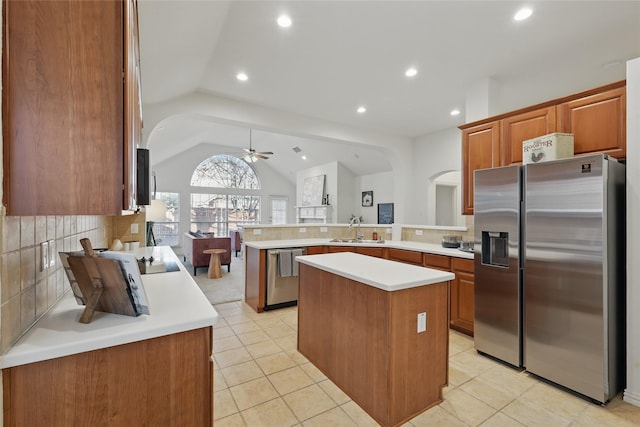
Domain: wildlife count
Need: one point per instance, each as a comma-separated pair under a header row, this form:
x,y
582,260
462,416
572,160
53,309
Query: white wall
x,y
175,176
632,391
383,192
346,184
434,154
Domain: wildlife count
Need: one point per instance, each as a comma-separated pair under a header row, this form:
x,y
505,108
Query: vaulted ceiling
x,y
338,55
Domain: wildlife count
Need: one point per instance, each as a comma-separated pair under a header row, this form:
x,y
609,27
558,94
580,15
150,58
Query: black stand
x,y
151,239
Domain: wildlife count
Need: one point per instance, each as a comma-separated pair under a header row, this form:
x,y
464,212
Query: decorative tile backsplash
x,y
414,233
28,291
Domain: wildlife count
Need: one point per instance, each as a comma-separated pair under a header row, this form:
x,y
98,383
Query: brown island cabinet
x,y
378,329
461,288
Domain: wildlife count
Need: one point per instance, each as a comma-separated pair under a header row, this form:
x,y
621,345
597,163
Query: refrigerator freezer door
x,y
497,323
565,274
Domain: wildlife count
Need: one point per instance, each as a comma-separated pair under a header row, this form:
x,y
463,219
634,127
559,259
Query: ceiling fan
x,y
252,155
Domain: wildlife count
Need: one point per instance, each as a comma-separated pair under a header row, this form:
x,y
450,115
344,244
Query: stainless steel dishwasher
x,y
282,277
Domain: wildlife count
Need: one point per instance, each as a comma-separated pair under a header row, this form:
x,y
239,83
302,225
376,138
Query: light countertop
x,y
431,248
176,305
380,273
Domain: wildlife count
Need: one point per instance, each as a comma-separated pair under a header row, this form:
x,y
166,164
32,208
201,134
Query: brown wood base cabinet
x,y
364,339
165,381
462,295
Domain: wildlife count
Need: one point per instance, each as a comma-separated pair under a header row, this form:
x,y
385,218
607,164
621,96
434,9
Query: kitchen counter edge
x,y
430,248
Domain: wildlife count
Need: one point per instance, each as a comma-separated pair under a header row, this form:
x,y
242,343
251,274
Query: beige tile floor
x,y
261,380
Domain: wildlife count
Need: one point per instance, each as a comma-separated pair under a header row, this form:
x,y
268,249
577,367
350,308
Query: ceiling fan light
x,y
250,158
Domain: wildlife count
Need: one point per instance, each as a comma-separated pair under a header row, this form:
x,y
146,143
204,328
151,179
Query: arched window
x,y
224,171
227,195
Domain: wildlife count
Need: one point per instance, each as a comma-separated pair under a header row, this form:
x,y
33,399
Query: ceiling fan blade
x,y
259,155
247,150
266,153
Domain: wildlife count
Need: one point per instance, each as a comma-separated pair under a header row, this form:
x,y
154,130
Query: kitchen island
x,y
378,329
151,369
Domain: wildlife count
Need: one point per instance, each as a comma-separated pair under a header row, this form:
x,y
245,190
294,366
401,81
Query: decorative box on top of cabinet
x,y
71,107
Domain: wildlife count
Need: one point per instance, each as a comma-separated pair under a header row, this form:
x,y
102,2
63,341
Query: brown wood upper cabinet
x,y
597,122
522,127
480,150
70,106
596,118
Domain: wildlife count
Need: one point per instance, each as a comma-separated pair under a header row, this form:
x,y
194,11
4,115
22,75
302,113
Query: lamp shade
x,y
157,211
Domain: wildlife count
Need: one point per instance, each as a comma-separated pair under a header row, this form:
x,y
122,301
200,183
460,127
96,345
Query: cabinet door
x,y
63,108
165,381
132,103
522,127
480,150
597,122
462,296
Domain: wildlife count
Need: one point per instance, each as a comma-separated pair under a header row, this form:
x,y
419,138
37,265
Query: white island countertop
x,y
380,273
176,304
431,248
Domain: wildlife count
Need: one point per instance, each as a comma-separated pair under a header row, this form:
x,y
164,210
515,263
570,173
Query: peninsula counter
x,y
151,369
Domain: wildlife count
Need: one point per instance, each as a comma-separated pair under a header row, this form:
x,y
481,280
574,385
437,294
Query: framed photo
x,y
385,213
367,198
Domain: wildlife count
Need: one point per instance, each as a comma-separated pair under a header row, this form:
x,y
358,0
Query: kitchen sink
x,y
355,241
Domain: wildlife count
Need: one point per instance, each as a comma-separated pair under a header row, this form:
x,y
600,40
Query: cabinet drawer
x,y
313,250
333,249
375,252
462,264
411,257
437,261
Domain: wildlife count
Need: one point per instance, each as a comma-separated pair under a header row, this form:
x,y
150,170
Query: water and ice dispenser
x,y
495,248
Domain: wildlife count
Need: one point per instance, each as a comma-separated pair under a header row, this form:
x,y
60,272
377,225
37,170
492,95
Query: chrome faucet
x,y
356,220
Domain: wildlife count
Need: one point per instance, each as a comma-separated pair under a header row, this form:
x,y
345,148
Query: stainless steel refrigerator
x,y
550,271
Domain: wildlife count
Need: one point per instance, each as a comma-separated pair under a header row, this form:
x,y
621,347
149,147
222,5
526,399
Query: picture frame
x,y
313,190
367,198
385,213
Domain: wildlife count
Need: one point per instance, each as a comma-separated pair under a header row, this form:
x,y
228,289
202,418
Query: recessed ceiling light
x,y
522,14
411,72
284,21
304,157
361,109
455,112
242,77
